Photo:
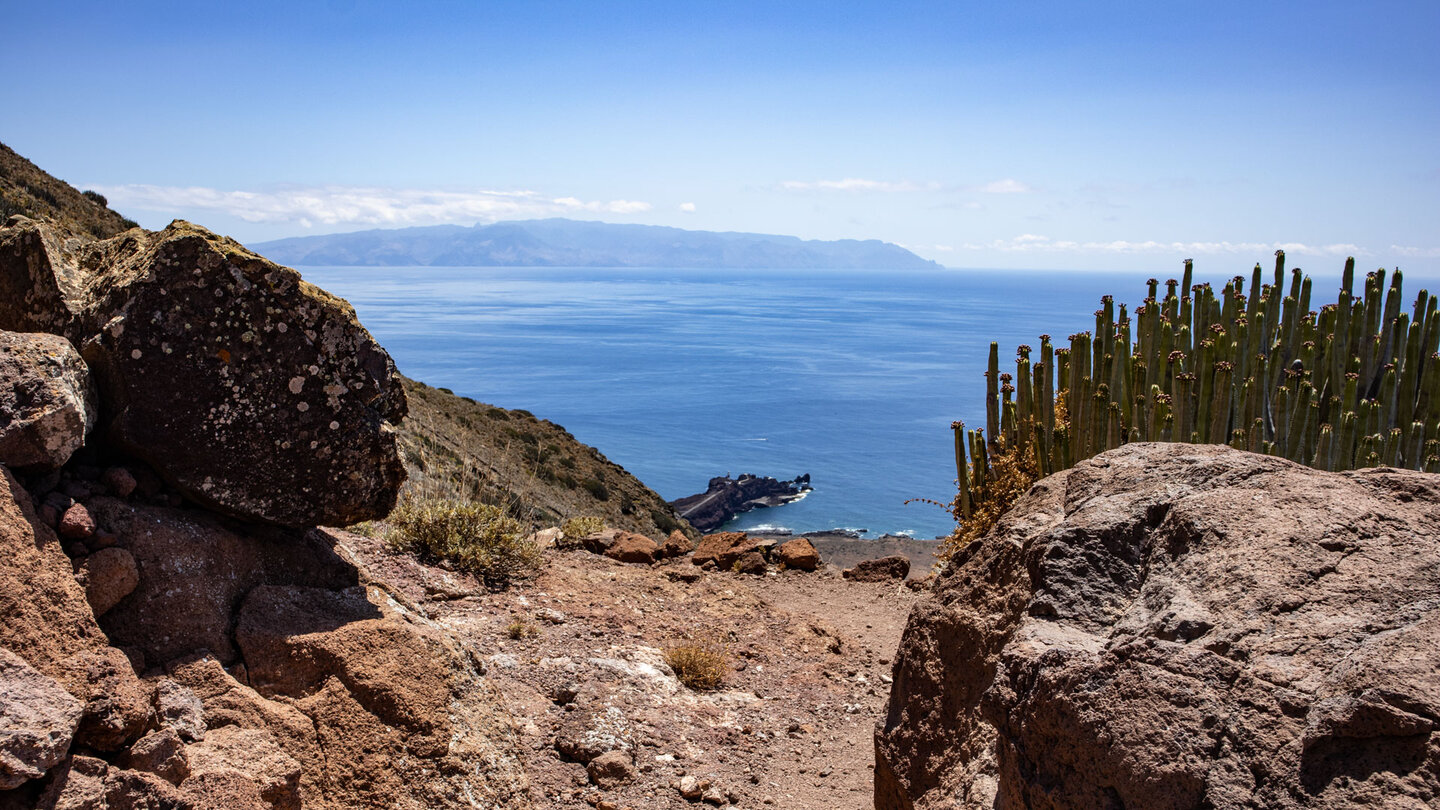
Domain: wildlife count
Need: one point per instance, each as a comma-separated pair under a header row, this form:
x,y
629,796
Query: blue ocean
x,y
679,375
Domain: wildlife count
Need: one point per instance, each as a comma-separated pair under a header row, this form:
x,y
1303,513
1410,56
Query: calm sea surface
x,y
680,375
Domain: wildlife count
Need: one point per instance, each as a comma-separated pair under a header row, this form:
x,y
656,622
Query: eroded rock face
x,y
249,390
1179,626
47,401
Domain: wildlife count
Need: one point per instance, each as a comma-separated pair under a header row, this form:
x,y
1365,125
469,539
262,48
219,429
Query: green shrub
x,y
578,527
476,537
597,488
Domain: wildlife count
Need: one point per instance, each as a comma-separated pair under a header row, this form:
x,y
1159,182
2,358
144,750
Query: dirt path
x,y
578,655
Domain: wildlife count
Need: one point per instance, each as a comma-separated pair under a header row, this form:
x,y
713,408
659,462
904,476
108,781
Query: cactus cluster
x,y
1356,384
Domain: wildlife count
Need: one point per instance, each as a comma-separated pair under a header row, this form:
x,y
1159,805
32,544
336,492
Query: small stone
x,y
799,554
714,796
119,481
690,788
178,708
751,562
77,523
109,575
161,753
610,770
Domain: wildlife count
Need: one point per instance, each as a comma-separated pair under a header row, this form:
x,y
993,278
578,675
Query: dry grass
x,y
520,629
700,665
475,537
1011,475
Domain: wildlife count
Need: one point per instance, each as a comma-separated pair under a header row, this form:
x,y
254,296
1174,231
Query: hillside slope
x,y
27,190
456,447
569,243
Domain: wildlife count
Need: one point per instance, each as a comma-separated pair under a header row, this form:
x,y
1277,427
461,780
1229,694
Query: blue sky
x,y
1025,134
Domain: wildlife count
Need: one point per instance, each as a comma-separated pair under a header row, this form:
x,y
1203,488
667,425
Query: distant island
x,y
571,243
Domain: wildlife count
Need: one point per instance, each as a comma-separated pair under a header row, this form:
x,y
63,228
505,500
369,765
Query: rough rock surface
x,y
37,721
1179,626
252,752
47,400
289,404
724,548
108,575
48,622
633,548
799,554
879,570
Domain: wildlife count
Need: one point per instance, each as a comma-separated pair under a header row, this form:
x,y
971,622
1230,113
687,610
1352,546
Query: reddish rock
x,y
108,575
119,481
48,622
751,562
610,770
179,709
724,549
254,753
883,569
47,401
1179,626
195,571
38,719
224,789
86,783
676,545
381,685
161,753
633,548
77,523
798,554
599,542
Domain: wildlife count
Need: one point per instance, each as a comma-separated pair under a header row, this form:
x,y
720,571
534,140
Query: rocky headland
x,y
726,497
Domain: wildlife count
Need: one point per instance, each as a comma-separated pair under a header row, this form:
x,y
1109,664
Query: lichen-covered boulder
x,y
248,389
47,401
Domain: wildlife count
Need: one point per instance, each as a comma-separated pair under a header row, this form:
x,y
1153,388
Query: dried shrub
x,y
520,629
699,664
475,537
1012,471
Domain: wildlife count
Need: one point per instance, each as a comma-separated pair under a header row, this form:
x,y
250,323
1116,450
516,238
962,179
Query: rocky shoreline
x,y
726,497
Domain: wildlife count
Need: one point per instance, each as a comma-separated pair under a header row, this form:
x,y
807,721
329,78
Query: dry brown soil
x,y
791,726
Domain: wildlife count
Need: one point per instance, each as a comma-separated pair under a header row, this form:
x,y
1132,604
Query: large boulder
x,y
248,389
1179,626
47,401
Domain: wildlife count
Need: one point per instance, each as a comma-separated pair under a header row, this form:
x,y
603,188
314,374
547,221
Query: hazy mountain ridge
x,y
571,243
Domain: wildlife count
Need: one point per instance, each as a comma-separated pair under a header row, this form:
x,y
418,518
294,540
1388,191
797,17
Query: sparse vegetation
x,y
699,664
1354,384
519,629
578,527
475,537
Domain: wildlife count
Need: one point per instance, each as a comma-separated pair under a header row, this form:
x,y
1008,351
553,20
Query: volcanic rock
x,y
879,570
630,547
751,562
799,554
47,401
108,575
676,545
254,753
610,770
726,497
1179,626
246,388
37,721
161,753
724,548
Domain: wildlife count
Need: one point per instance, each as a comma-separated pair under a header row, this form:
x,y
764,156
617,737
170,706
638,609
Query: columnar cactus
x,y
1354,384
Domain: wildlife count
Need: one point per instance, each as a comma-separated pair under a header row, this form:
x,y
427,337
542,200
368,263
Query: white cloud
x,y
1416,253
1035,243
688,208
359,205
856,184
1006,186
